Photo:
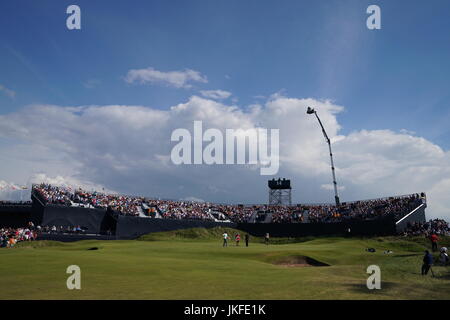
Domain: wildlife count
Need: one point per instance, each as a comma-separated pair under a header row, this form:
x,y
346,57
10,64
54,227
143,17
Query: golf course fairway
x,y
193,264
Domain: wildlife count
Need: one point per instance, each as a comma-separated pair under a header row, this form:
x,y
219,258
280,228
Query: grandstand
x,y
131,216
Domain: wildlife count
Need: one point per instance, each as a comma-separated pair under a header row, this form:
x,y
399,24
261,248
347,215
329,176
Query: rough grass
x,y
192,264
40,244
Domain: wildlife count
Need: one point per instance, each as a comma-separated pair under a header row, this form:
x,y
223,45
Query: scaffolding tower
x,y
280,192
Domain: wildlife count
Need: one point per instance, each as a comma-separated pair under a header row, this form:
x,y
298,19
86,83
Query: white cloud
x,y
8,185
13,192
192,199
330,187
127,148
91,83
68,181
8,92
216,94
177,79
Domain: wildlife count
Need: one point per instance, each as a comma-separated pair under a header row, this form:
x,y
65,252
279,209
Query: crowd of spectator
x,y
437,226
9,237
67,196
15,203
168,209
358,210
62,230
181,209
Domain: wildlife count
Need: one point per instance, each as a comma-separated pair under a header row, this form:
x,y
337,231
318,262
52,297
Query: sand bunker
x,y
299,261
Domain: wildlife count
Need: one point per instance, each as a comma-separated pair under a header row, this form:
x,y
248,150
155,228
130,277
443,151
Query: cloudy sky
x,y
96,107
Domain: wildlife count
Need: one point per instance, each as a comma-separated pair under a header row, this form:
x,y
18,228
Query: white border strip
x,y
410,213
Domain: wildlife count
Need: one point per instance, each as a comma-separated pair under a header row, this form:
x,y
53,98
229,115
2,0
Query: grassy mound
x,y
207,234
413,244
194,234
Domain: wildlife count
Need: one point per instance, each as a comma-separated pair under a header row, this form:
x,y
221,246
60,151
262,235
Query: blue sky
x,y
396,77
391,135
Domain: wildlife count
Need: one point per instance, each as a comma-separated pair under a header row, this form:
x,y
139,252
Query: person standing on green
x,y
237,237
225,239
247,238
267,238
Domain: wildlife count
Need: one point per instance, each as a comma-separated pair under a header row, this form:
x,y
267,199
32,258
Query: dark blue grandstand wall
x,y
417,215
133,227
38,208
73,237
380,227
94,221
15,215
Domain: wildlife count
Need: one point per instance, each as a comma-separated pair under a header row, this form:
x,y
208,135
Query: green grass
x,y
192,264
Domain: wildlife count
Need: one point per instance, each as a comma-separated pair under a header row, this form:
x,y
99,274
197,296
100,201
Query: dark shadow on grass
x,y
408,255
434,273
298,261
362,287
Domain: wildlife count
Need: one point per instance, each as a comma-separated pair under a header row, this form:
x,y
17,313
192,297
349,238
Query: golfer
x,y
266,238
225,239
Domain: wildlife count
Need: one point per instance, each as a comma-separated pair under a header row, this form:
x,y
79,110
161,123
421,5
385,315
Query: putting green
x,y
192,264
